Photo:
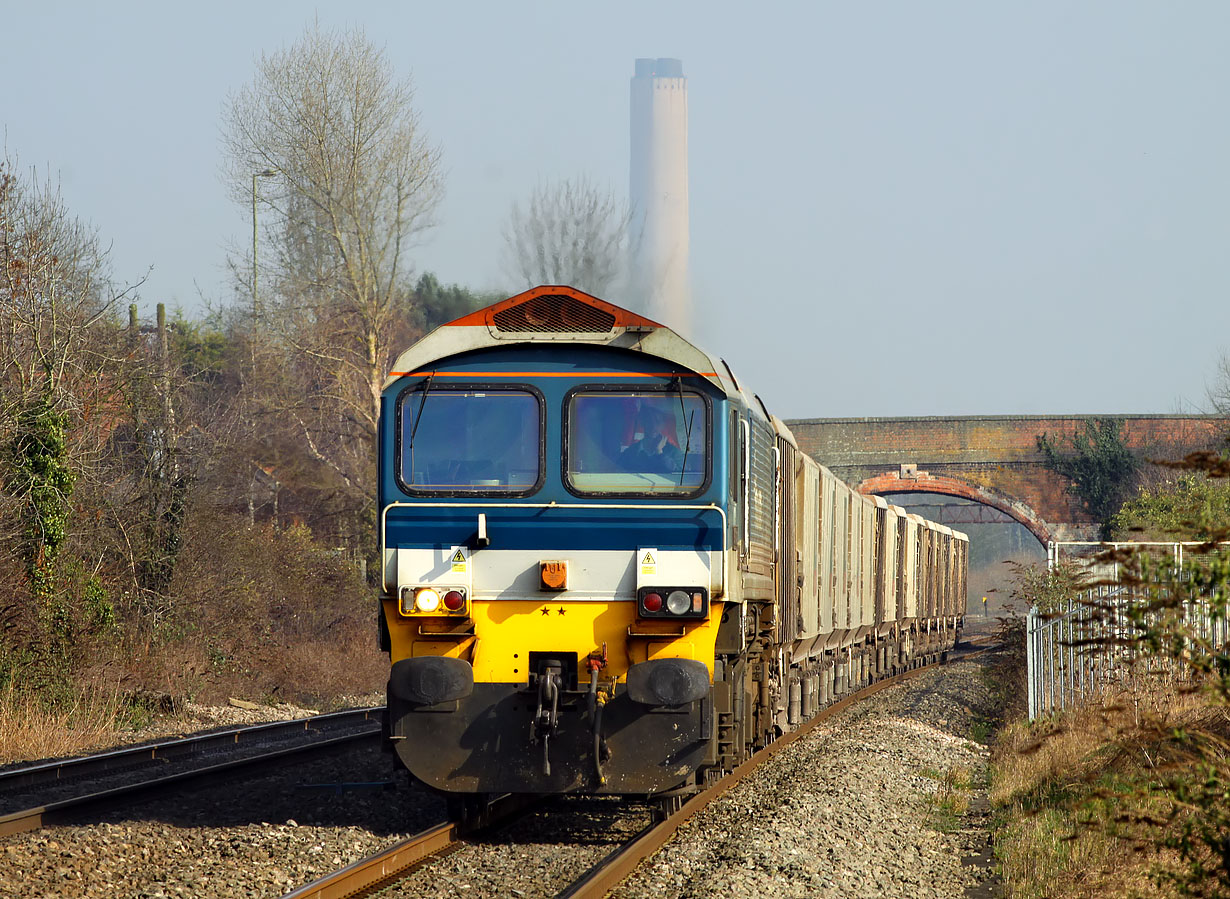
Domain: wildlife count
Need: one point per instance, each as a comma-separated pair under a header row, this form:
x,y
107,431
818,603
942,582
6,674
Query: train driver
x,y
652,449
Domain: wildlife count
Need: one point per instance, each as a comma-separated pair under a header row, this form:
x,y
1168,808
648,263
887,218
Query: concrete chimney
x,y
658,182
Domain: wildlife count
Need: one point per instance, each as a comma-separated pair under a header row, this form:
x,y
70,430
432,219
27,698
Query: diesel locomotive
x,y
607,568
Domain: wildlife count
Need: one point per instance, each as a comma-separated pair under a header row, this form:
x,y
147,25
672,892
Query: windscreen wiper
x,y
687,430
687,445
423,402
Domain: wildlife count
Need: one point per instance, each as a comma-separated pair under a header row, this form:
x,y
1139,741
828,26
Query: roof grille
x,y
554,312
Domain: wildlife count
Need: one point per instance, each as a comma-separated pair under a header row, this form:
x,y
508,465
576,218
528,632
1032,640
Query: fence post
x,y
1031,665
1070,669
1052,701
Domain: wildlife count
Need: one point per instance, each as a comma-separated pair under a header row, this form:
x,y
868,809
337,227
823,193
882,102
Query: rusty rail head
x,y
376,870
400,859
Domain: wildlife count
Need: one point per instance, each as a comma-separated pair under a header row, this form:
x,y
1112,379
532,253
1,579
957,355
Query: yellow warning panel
x,y
459,560
648,562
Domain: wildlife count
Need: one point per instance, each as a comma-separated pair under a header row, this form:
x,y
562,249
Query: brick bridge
x,y
991,459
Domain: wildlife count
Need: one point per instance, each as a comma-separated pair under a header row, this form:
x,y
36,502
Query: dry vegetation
x,y
32,729
257,613
1082,803
1130,794
953,790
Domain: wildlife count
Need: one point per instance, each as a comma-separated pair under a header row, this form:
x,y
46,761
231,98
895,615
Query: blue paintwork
x,y
557,528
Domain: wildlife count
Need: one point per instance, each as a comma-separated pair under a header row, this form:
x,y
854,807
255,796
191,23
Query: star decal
x,y
546,611
561,610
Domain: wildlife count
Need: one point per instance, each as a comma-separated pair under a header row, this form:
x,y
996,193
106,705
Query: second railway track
x,y
37,794
248,834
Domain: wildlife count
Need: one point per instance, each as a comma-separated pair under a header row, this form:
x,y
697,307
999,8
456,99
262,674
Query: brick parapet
x,y
997,455
1000,439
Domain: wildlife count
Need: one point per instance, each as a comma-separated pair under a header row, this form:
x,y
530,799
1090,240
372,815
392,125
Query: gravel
x,y
848,810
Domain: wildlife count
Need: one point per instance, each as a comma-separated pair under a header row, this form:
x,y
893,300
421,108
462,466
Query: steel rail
x,y
375,870
401,858
42,773
612,870
35,818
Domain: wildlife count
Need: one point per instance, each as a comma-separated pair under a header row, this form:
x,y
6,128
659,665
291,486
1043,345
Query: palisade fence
x,y
1086,646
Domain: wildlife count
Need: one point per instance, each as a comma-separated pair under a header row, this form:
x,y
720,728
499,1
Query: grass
x,y
951,799
1078,809
31,728
982,730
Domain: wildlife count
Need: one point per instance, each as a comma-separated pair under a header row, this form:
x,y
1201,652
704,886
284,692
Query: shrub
x,y
1098,463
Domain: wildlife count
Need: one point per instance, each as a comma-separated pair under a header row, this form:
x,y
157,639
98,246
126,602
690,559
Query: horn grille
x,y
555,313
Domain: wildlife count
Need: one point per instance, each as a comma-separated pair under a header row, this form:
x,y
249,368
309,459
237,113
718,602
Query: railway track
x,y
387,867
613,869
402,858
88,783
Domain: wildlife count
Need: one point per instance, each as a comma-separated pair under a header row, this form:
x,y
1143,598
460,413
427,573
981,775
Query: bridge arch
x,y
922,482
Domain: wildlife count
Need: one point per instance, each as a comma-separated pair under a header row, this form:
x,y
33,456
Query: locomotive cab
x,y
554,544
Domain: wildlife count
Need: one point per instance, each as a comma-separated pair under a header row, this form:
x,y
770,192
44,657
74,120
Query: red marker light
x,y
453,600
652,602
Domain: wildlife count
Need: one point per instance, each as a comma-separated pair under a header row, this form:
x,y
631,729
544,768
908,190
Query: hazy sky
x,y
898,208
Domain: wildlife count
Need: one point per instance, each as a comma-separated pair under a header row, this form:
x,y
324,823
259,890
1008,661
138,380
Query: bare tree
x,y
51,285
358,180
570,232
55,395
1219,391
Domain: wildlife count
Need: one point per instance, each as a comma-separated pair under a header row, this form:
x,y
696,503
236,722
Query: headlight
x,y
678,602
426,599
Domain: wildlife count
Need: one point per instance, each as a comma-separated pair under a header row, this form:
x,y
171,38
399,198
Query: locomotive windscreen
x,y
637,442
470,441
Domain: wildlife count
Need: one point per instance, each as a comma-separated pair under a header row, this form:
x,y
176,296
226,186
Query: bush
x,y
1194,507
1098,463
270,613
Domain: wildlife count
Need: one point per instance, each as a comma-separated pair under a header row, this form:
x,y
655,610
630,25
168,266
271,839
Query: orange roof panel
x,y
541,308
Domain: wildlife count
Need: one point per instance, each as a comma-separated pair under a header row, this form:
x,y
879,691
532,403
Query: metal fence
x,y
1071,651
1086,646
